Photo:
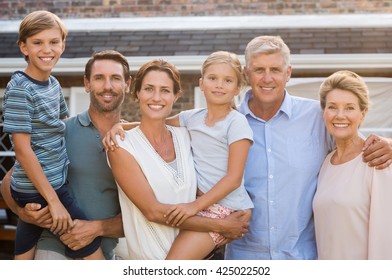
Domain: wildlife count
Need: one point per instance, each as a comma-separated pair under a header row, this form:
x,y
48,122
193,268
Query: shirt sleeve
x,y
239,129
19,109
185,116
380,225
64,113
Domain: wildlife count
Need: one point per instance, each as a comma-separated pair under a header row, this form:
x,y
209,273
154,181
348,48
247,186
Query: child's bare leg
x,y
97,255
191,245
29,255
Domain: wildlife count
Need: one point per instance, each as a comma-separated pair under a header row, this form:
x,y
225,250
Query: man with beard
x,y
107,79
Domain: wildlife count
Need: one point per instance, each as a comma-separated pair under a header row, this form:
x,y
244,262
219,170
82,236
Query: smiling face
x,y
156,95
107,85
219,84
43,51
268,74
342,114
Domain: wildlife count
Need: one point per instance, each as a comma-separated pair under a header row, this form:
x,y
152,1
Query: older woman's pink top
x,y
352,211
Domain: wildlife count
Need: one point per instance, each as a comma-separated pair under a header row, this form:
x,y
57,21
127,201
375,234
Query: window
x,y
7,155
77,101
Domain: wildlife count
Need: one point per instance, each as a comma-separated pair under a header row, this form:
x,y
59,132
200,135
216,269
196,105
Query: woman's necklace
x,y
161,146
173,151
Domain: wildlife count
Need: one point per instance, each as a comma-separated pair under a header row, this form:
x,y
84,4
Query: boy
x,y
33,108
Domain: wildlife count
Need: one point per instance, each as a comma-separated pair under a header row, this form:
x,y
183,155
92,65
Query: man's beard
x,y
106,107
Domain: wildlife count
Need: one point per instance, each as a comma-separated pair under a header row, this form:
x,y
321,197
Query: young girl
x,y
220,140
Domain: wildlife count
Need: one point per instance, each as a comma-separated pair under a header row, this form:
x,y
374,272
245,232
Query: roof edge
x,y
217,22
72,66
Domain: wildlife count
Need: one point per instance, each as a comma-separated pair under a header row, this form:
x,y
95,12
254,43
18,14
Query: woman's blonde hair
x,y
346,80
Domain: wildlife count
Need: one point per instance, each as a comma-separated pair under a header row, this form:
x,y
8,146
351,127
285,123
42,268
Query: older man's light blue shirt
x,y
281,178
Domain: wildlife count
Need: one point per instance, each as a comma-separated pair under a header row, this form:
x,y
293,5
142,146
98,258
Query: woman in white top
x,y
154,168
353,201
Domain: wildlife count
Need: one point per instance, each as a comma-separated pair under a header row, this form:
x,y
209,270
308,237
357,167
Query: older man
x,y
290,144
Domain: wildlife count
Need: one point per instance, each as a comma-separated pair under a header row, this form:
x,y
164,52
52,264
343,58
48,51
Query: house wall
x,y
12,9
300,44
130,108
363,40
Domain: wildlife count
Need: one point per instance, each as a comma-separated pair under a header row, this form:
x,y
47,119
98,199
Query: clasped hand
x,y
178,213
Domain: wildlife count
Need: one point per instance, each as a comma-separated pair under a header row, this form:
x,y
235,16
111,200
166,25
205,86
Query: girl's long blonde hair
x,y
230,59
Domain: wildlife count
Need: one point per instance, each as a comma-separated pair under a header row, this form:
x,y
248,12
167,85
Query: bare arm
x,y
173,121
232,227
140,193
84,232
29,161
377,151
109,141
6,192
31,213
238,153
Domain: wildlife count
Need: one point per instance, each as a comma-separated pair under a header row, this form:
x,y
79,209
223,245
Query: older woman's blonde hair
x,y
346,80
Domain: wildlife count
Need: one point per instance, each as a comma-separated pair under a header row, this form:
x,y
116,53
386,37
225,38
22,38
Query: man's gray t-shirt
x,y
90,180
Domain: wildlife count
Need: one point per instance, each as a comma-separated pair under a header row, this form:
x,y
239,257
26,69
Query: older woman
x,y
154,169
353,201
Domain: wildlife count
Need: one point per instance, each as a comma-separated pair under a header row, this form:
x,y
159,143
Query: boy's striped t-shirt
x,y
36,108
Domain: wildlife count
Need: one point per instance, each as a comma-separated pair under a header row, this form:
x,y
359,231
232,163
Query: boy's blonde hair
x,y
38,21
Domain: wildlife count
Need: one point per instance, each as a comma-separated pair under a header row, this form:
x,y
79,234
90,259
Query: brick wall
x,y
130,108
12,9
